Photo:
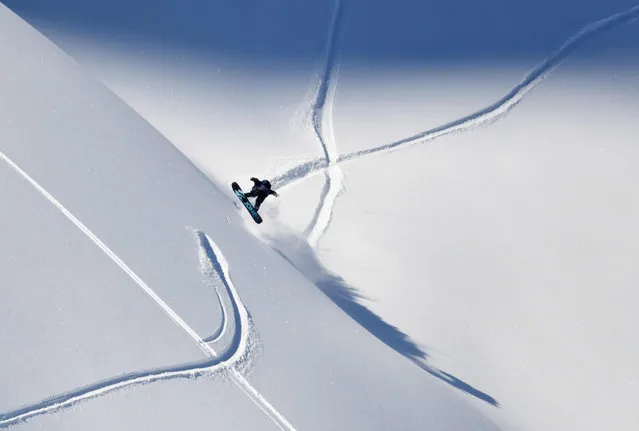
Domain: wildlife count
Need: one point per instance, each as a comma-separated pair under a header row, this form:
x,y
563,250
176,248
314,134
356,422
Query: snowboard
x,y
247,204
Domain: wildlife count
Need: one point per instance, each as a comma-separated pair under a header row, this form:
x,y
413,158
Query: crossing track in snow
x,y
487,115
321,113
325,92
69,399
240,338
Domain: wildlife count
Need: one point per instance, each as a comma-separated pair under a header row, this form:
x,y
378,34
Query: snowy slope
x,y
444,60
506,254
134,236
221,80
513,262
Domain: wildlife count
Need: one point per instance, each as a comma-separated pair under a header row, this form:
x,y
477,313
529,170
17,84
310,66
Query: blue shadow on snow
x,y
375,32
302,256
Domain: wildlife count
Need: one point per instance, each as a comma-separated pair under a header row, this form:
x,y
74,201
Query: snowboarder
x,y
261,190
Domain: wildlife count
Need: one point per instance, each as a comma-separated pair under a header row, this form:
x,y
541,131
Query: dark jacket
x,y
260,189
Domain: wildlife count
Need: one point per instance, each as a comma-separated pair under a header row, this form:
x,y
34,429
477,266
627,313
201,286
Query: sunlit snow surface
x,y
494,245
101,194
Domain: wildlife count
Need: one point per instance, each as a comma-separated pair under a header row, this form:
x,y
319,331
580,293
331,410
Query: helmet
x,y
266,183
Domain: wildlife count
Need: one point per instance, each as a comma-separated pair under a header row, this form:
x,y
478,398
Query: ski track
x,y
98,389
104,387
299,172
242,331
322,120
489,114
211,277
324,214
236,350
73,219
325,191
324,87
217,335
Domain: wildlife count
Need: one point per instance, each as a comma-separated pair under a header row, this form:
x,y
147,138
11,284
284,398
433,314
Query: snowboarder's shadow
x,y
301,255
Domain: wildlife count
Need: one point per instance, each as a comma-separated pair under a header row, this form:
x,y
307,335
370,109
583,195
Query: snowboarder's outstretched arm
x,y
274,193
255,181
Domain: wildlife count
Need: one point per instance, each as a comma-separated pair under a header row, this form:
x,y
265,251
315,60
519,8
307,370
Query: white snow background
x,y
454,245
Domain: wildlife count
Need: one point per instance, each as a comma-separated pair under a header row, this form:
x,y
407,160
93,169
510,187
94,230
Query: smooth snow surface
x,y
454,246
134,276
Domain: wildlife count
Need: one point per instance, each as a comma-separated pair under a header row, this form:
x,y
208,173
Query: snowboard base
x,y
247,204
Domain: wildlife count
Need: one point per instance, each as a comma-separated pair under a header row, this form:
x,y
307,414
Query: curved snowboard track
x,y
215,363
241,334
217,335
487,115
101,388
212,277
69,399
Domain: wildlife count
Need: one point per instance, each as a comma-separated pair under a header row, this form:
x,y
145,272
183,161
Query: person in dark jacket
x,y
261,190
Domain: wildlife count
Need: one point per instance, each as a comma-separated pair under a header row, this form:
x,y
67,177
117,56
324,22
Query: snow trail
x,y
299,172
211,275
236,350
73,219
217,335
325,191
324,213
489,114
209,366
242,331
104,387
324,86
503,106
322,120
